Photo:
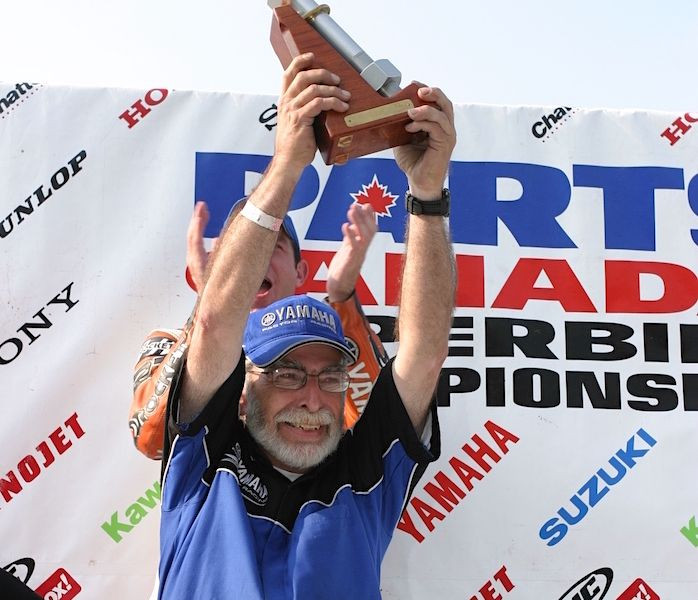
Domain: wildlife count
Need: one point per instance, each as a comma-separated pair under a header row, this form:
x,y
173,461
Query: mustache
x,y
301,416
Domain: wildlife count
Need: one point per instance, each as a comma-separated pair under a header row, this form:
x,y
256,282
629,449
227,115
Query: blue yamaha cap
x,y
287,226
287,324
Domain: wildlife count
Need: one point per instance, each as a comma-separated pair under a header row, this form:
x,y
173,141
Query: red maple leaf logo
x,y
377,195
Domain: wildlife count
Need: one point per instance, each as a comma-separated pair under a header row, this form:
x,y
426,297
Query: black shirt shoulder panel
x,y
221,412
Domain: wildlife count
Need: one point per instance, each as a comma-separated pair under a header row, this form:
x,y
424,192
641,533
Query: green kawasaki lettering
x,y
690,532
114,526
134,513
151,496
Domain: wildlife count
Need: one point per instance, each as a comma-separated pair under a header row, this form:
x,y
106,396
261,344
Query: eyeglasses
x,y
332,379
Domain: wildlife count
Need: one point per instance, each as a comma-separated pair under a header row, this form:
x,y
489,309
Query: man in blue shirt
x,y
265,495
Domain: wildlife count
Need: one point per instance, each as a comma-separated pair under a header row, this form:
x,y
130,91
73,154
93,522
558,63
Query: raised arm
x,y
346,264
162,353
242,255
197,257
428,275
342,276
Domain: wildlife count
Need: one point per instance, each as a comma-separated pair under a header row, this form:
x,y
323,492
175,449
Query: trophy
x,y
378,107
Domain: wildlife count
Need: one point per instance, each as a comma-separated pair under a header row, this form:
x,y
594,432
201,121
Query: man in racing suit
x,y
162,350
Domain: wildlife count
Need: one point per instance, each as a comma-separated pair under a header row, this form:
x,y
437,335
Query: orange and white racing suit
x,y
164,350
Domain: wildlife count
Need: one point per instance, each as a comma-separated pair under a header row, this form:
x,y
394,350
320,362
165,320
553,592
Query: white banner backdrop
x,y
570,393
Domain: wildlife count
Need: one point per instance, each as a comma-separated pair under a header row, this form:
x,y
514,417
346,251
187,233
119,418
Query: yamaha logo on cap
x,y
268,319
290,323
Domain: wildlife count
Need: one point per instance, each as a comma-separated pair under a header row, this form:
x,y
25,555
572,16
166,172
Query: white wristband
x,y
254,214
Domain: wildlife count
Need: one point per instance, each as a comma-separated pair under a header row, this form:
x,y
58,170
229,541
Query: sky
x,y
624,54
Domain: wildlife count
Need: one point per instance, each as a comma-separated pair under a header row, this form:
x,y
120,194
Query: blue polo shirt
x,y
233,526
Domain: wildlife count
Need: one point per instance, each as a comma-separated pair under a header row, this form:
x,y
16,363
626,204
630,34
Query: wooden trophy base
x,y
373,122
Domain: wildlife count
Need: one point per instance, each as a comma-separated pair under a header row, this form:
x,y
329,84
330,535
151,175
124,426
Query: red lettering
x,y
623,287
622,284
502,577
393,268
471,280
466,473
317,259
673,134
480,451
28,468
133,117
57,436
150,98
566,289
139,110
46,452
470,271
405,524
678,130
426,512
72,422
500,436
488,592
445,492
10,486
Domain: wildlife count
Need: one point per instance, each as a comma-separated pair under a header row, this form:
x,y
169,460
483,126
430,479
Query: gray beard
x,y
298,456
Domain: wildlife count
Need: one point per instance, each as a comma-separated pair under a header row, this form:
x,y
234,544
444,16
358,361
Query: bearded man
x,y
265,495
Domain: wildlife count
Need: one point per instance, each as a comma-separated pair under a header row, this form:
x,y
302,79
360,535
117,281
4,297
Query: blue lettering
x,y
475,208
553,530
219,180
628,201
629,455
592,486
620,472
582,510
646,436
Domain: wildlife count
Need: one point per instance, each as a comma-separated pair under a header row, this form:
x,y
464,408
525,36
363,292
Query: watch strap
x,y
440,207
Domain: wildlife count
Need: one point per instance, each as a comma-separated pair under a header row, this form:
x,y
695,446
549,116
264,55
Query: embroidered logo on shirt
x,y
250,485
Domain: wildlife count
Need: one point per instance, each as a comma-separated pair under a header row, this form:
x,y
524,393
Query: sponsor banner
x,y
569,398
639,590
59,585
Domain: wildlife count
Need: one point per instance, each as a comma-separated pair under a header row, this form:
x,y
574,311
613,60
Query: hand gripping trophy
x,y
378,107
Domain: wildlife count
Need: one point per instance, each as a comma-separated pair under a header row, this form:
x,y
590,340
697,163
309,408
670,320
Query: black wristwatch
x,y
440,207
